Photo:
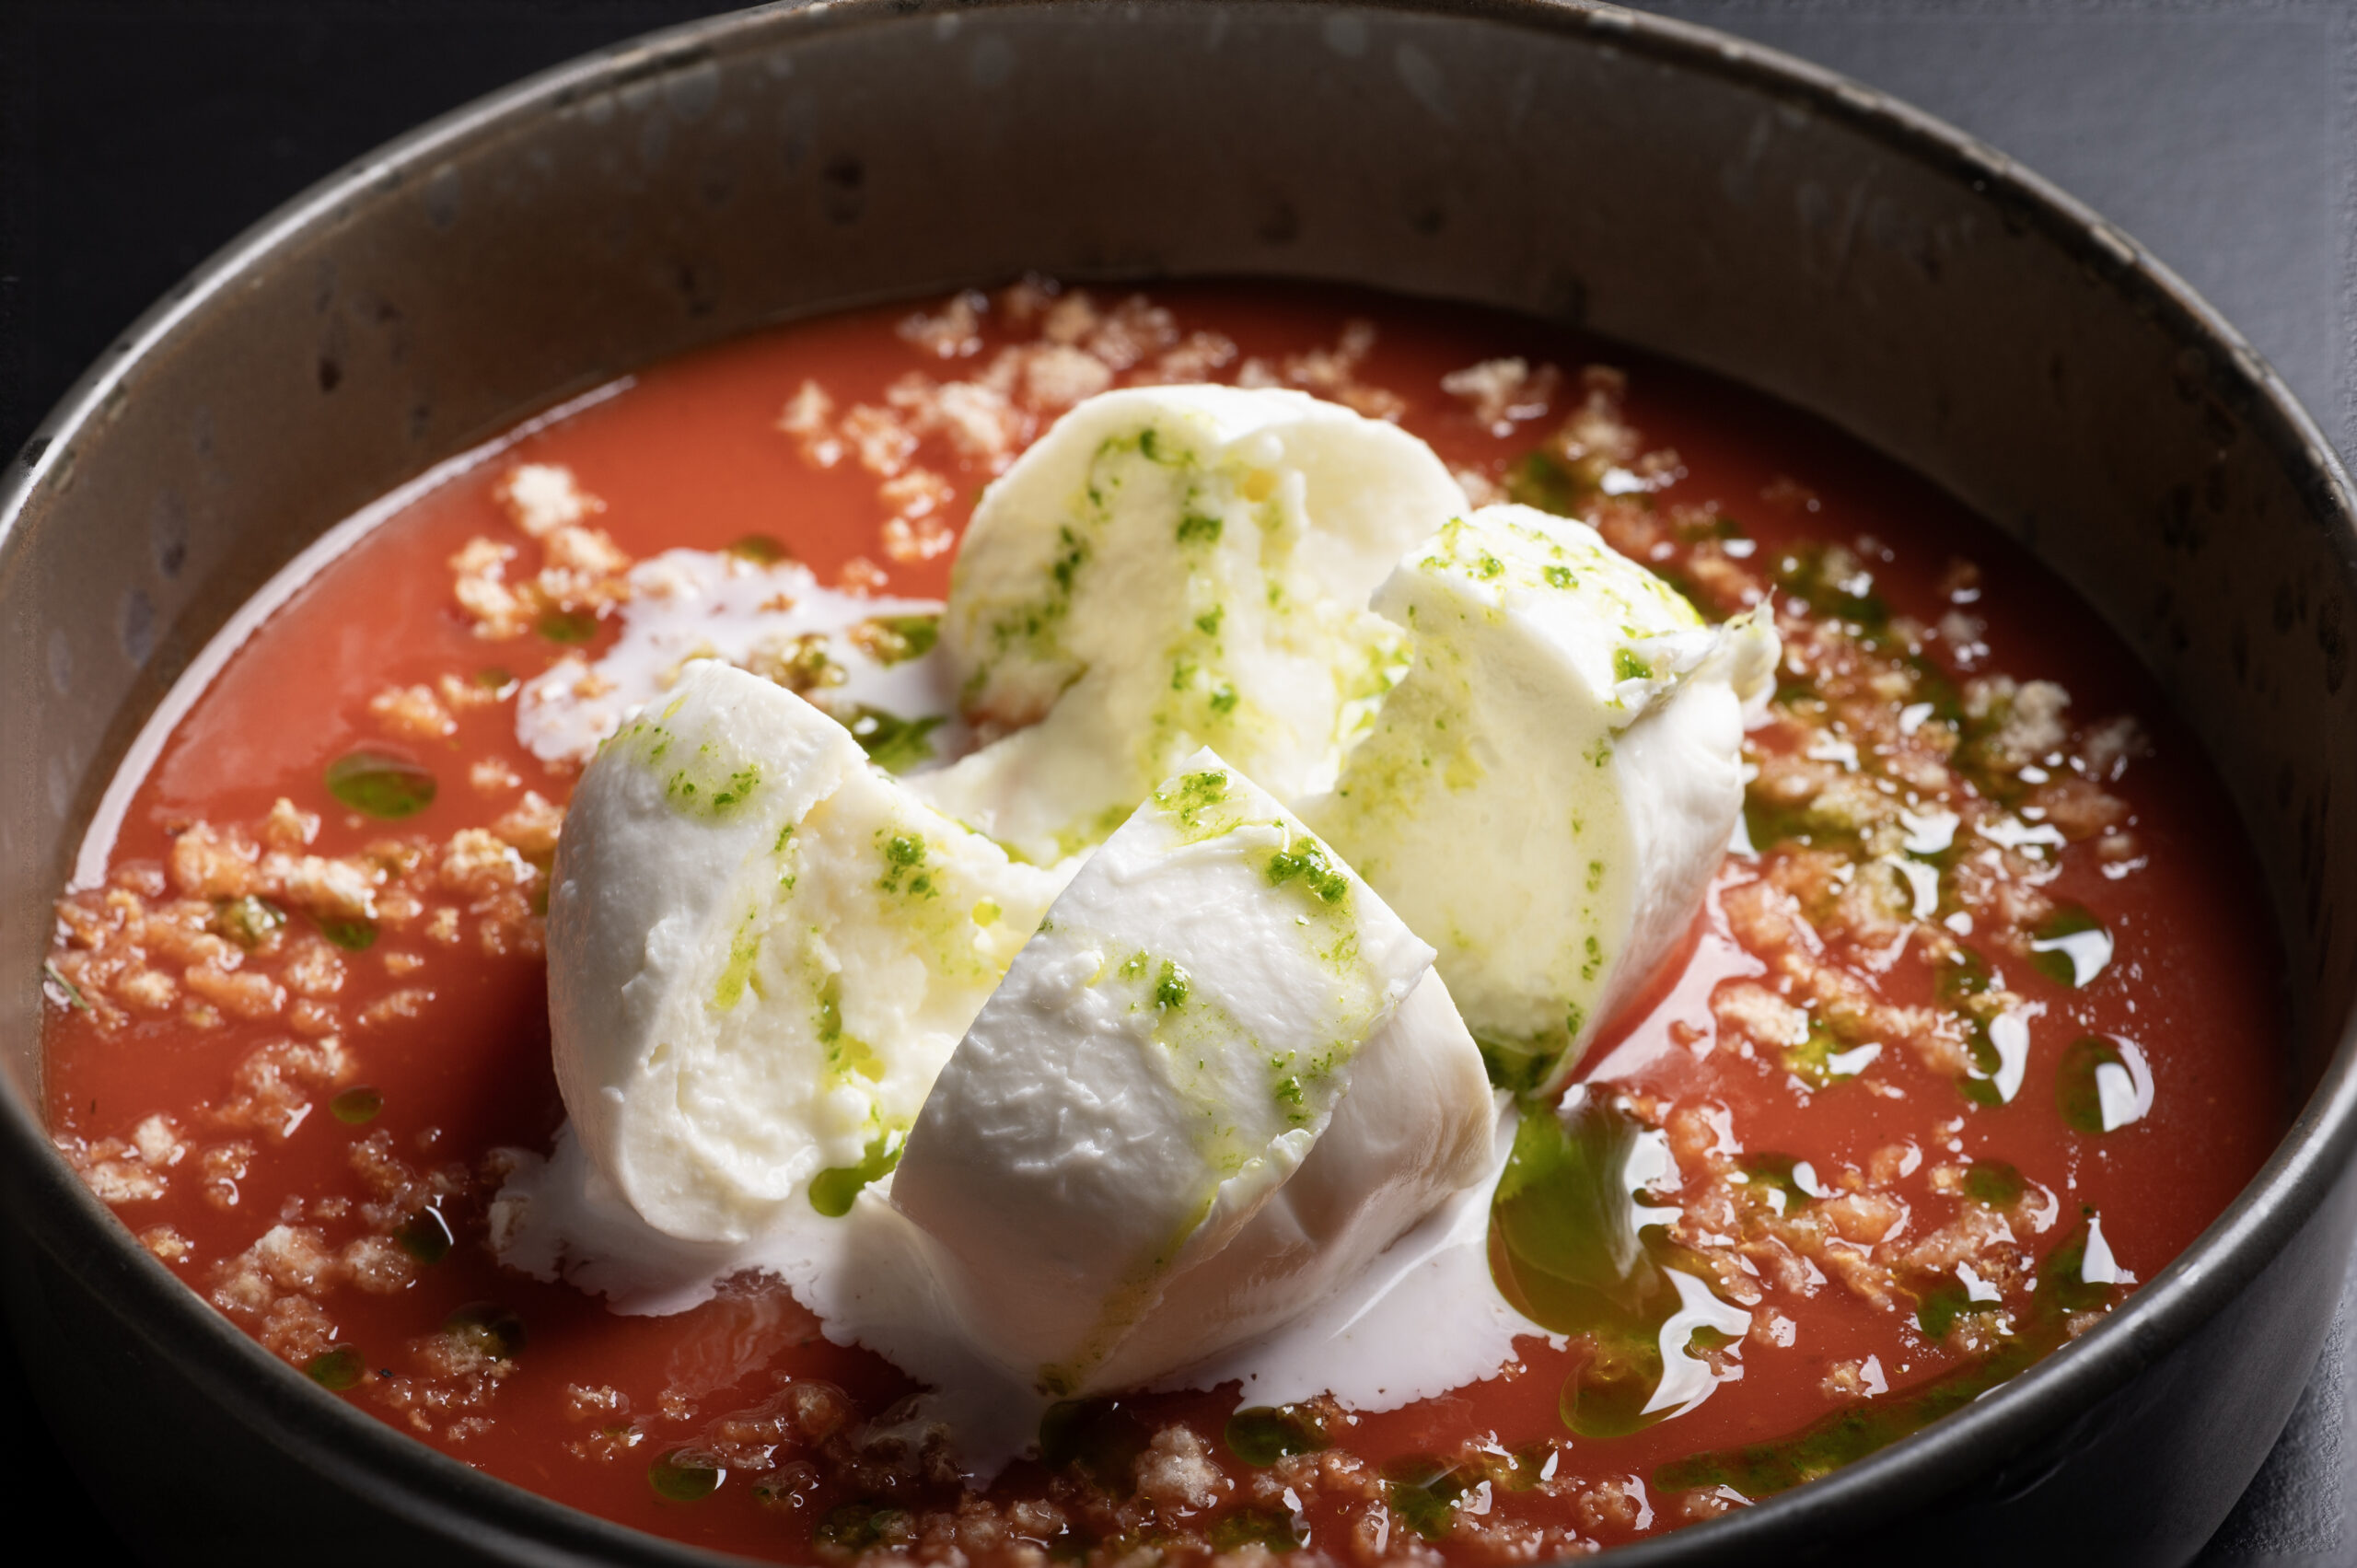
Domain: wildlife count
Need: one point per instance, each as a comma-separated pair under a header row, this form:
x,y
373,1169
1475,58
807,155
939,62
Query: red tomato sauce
x,y
563,1397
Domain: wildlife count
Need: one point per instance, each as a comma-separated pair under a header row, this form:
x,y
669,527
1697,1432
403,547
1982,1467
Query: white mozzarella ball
x,y
1219,1080
1172,567
760,951
1547,793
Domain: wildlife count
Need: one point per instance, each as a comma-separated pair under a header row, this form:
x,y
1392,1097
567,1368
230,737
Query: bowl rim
x,y
360,1452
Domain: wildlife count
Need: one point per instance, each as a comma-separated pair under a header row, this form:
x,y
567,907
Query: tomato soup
x,y
1976,1030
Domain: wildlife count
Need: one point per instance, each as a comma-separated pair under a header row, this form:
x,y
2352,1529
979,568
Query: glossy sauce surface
x,y
543,1386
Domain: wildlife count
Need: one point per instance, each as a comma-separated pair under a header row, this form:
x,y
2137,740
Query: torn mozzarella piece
x,y
1218,1082
760,951
1172,567
1547,793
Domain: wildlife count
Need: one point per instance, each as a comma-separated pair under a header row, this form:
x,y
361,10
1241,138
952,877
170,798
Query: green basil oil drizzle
x,y
1275,1528
2071,947
760,549
833,1191
487,1327
380,783
686,1475
1264,1434
1577,1252
2078,1084
896,639
1758,1470
1101,1438
337,1368
891,742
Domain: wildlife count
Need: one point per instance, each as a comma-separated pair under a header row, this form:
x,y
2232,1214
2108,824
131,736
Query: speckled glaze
x,y
1656,182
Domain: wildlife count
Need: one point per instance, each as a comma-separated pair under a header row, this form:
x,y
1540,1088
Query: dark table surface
x,y
138,135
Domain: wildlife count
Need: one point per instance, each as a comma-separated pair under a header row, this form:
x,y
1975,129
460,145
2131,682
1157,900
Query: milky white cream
x,y
1546,795
760,951
1217,1081
1172,567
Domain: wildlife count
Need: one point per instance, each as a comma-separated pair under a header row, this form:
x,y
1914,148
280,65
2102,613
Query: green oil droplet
x,y
686,1475
855,1527
249,922
1760,1469
337,1369
1271,1528
895,639
424,1235
380,783
2078,1082
568,626
891,742
763,549
356,1107
2071,947
1572,1249
1538,479
1102,1437
1265,1434
352,936
487,1327
833,1191
1423,1491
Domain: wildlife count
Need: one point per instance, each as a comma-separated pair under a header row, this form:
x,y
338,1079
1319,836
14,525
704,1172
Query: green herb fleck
x,y
249,922
488,1327
1192,796
1170,988
896,639
356,1107
424,1235
763,549
2078,1088
904,858
1304,861
1269,1527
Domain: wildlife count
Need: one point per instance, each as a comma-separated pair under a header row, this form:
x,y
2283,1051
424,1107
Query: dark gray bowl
x,y
1657,183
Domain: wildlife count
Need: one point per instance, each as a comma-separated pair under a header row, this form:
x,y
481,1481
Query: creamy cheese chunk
x,y
1219,1079
1546,795
760,951
1173,567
